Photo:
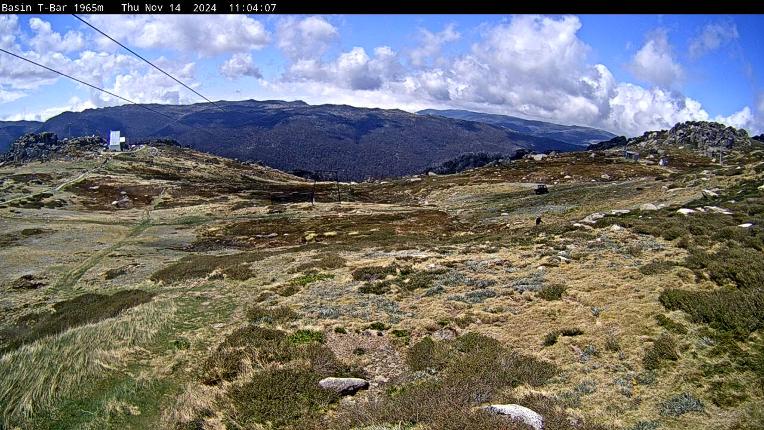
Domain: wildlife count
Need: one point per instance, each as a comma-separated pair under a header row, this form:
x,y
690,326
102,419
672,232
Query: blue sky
x,y
624,73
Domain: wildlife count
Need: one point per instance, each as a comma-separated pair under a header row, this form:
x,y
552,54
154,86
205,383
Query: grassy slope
x,y
455,254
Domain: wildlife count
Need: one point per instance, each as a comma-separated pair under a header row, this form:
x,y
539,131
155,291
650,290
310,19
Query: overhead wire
x,y
145,60
100,89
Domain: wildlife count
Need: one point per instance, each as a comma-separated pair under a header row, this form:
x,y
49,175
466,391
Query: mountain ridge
x,y
362,143
577,135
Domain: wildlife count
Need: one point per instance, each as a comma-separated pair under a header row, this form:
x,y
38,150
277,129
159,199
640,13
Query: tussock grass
x,y
37,375
80,310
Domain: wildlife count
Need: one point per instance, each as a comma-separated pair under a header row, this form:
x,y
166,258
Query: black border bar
x,y
267,7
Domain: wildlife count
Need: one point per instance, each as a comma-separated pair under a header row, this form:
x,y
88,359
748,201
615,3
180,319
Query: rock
x,y
344,386
709,194
27,282
446,333
617,212
761,187
330,234
310,236
717,209
648,207
591,219
567,177
520,413
266,236
746,225
605,176
686,211
538,157
616,227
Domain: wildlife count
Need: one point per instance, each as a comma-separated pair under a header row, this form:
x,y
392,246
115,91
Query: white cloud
x,y
45,39
206,35
305,39
634,109
654,62
74,104
431,44
712,37
9,27
740,119
9,96
152,86
240,65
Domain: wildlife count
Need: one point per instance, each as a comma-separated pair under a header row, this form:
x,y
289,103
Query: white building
x,y
115,141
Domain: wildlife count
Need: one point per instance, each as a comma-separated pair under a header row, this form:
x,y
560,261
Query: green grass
x,y
91,352
85,309
306,336
309,278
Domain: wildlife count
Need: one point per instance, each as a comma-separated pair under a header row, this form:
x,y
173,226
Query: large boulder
x,y
519,413
344,386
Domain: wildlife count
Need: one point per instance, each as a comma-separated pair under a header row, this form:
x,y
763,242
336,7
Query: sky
x,y
623,73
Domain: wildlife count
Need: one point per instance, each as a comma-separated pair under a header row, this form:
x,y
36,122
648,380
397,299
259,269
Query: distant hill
x,y
12,130
361,143
570,134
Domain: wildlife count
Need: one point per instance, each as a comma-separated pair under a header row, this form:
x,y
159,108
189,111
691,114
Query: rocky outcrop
x,y
703,135
344,386
45,146
700,135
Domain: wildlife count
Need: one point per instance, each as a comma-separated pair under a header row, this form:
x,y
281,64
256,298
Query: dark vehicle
x,y
541,189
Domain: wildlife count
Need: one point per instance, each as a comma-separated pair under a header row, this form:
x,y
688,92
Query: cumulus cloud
x,y
654,62
353,69
531,66
305,39
45,39
9,27
712,37
206,35
240,65
431,44
152,86
741,119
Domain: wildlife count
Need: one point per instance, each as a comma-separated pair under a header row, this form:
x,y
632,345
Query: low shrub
x,y
551,292
664,348
739,311
680,405
271,315
670,324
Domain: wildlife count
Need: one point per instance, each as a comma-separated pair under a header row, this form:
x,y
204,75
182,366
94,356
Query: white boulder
x,y
343,386
520,413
